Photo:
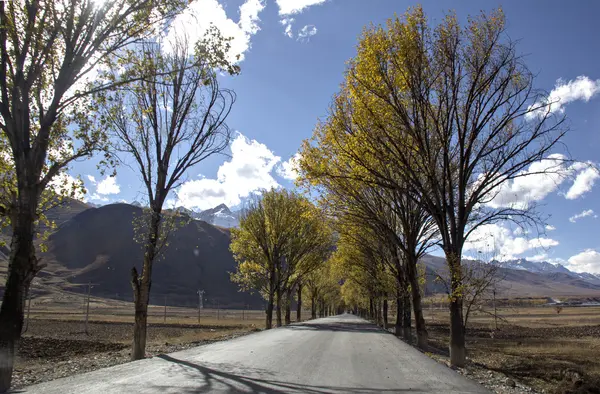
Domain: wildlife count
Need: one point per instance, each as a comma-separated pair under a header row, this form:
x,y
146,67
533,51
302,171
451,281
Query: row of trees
x,y
282,247
79,77
429,123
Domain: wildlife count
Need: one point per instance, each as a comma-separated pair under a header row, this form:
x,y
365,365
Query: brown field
x,y
549,351
55,342
534,345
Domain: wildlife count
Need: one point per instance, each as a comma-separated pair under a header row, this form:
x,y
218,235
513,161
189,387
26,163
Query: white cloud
x,y
290,7
92,179
542,178
586,261
499,242
306,32
583,182
289,169
538,257
64,184
108,185
248,171
534,184
287,22
97,197
201,14
581,88
588,212
550,227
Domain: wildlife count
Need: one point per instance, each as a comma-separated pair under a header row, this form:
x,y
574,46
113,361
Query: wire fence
x,y
88,308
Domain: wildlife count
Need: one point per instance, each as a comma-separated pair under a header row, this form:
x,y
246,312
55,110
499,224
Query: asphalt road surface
x,y
341,354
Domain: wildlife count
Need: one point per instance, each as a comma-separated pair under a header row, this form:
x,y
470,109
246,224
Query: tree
x,y
168,122
281,237
47,49
453,112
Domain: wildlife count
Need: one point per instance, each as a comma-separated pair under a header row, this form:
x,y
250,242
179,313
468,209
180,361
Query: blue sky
x,y
290,69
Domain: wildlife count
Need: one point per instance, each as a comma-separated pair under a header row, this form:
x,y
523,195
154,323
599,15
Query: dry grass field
x,y
549,351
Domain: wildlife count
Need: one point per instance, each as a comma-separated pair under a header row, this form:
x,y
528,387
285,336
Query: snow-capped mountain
x,y
535,266
221,216
544,267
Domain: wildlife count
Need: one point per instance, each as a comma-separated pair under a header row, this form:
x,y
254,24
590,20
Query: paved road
x,y
341,354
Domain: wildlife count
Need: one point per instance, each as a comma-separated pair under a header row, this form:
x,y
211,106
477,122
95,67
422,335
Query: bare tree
x,y
168,122
46,50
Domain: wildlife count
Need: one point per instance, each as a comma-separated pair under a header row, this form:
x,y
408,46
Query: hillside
x,y
521,283
98,245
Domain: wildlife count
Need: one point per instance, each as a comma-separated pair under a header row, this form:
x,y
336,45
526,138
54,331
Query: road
x,y
341,354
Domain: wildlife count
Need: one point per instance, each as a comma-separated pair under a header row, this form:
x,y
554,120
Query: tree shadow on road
x,y
338,326
213,380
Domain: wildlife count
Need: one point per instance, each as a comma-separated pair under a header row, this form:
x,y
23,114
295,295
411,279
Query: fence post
x,y
165,315
87,309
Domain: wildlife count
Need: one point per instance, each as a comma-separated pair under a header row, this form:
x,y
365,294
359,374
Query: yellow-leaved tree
x,y
444,116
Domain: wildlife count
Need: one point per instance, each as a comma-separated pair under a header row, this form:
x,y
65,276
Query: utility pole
x,y
165,315
28,308
495,313
87,309
200,304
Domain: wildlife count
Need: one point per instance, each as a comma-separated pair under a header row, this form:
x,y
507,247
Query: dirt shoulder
x,y
52,349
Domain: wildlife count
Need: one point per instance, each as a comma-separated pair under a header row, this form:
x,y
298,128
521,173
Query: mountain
x,y
525,279
545,267
220,216
97,245
535,266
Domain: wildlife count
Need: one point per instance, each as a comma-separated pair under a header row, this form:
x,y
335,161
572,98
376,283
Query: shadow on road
x,y
212,380
338,326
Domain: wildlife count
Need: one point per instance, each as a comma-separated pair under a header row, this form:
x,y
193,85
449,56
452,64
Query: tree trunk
x,y
399,314
385,313
278,307
138,350
457,329
288,306
269,312
313,307
141,287
23,266
406,323
422,335
271,300
299,308
371,309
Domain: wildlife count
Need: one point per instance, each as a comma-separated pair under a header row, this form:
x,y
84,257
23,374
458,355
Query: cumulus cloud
x,y
106,186
502,243
289,169
201,14
306,33
248,171
550,227
64,184
542,178
583,182
583,214
581,88
291,7
287,23
586,261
